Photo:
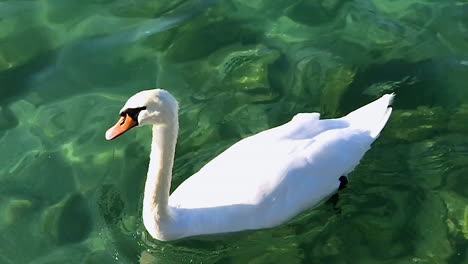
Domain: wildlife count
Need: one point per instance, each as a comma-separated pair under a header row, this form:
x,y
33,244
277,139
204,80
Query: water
x,y
237,67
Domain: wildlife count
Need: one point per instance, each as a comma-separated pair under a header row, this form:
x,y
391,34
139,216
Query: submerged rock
x,y
68,221
206,130
7,119
244,121
40,174
219,30
18,50
338,80
317,78
246,59
101,257
440,162
110,204
313,12
417,125
235,69
22,36
13,210
71,254
458,120
387,212
457,210
61,12
68,128
246,69
143,8
378,89
433,243
364,24
262,8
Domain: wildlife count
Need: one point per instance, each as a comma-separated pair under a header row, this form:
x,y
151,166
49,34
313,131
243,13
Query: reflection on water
x,y
237,67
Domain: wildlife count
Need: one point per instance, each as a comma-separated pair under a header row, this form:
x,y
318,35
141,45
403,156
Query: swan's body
x,y
259,182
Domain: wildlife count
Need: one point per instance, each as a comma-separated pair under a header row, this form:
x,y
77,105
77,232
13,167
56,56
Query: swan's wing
x,y
240,175
253,167
316,170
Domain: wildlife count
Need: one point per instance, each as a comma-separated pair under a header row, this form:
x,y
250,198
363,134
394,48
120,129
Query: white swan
x,y
259,182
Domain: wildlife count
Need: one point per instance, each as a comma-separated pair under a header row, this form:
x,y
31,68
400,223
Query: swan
x,y
259,182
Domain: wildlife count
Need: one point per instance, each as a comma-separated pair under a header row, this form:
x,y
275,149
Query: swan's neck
x,y
158,182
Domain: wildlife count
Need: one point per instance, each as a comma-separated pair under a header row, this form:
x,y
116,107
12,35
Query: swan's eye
x,y
133,112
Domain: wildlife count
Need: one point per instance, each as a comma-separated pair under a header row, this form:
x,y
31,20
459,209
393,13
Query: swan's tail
x,y
372,117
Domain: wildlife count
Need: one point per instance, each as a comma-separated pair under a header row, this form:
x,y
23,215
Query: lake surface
x,y
237,67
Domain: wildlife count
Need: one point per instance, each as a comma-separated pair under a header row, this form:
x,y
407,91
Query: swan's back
x,y
266,179
252,167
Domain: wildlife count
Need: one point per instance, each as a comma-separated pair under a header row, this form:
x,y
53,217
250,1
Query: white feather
x,y
266,179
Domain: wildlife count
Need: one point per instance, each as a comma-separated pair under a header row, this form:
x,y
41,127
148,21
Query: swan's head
x,y
150,107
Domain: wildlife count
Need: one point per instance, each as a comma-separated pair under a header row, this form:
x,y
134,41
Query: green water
x,y
237,67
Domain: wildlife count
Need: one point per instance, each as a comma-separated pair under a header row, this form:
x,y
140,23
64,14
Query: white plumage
x,y
259,182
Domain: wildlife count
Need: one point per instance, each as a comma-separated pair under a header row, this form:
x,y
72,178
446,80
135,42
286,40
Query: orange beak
x,y
124,124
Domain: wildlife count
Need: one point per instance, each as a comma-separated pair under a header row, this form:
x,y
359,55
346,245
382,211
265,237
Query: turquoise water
x,y
237,67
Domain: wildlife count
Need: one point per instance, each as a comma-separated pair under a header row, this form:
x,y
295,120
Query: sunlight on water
x,y
237,67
